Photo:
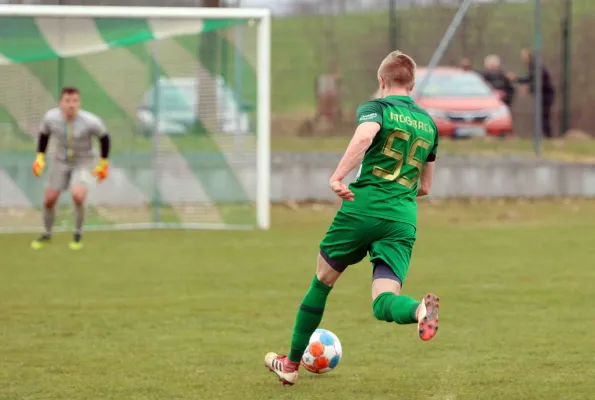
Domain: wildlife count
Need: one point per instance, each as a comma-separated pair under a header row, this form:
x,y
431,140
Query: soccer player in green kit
x,y
395,145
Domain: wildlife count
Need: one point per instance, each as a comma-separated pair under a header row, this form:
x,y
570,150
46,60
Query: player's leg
x,y
387,303
50,198
345,243
312,307
308,318
391,256
342,246
79,197
81,178
58,180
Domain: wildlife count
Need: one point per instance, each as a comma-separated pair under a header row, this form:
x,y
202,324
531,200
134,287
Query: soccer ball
x,y
323,353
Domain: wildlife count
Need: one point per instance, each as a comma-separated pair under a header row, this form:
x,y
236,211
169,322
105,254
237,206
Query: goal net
x,y
184,93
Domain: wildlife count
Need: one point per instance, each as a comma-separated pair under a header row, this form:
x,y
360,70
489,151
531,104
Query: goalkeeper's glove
x,y
101,170
39,164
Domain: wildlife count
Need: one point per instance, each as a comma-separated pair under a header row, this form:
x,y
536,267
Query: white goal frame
x,y
263,70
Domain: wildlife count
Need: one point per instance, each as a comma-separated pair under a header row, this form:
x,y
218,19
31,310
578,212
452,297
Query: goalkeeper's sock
x,y
49,215
401,309
308,318
79,219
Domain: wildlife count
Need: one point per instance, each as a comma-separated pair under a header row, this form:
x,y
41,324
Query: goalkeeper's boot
x,y
286,370
427,316
76,243
41,241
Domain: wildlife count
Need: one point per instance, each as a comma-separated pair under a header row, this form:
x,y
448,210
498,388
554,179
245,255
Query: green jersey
x,y
386,184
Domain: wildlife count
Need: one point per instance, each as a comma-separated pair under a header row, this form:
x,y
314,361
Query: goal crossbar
x,y
17,10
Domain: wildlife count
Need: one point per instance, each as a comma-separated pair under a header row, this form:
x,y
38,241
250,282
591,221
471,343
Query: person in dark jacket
x,y
494,75
547,89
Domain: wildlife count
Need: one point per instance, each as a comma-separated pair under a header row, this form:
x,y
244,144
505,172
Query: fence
x,y
355,43
350,37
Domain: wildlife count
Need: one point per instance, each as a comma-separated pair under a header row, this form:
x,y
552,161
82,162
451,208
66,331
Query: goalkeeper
x,y
73,164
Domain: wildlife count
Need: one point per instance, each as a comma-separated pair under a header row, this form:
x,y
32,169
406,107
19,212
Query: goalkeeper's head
x,y
396,74
70,102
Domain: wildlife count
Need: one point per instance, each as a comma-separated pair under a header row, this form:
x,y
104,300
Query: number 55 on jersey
x,y
407,139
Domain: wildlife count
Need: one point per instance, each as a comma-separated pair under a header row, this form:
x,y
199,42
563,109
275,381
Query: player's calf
x,y
404,310
79,196
50,199
389,306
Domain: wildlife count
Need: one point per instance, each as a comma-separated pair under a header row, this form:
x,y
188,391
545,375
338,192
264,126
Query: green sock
x,y
308,318
401,309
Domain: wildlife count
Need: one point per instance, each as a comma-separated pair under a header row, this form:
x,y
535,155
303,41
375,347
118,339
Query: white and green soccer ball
x,y
323,352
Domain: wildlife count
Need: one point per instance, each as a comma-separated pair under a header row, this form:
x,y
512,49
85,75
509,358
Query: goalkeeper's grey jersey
x,y
72,141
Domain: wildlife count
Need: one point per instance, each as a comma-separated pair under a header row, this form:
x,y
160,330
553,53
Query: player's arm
x,y
43,140
101,171
104,146
361,141
427,177
369,117
427,174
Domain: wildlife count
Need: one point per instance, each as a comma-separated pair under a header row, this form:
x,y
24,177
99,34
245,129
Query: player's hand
x,y
341,190
101,170
39,164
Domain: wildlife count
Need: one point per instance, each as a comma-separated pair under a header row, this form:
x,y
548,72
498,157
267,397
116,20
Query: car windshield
x,y
174,98
453,85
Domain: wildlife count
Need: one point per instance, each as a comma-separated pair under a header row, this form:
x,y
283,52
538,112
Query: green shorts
x,y
351,236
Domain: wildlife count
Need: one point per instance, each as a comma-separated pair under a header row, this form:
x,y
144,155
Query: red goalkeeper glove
x,y
39,164
101,170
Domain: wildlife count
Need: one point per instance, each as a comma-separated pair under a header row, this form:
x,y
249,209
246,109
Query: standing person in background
x,y
73,131
547,89
395,146
465,64
494,75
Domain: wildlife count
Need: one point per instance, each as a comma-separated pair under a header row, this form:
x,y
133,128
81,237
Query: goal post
x,y
184,93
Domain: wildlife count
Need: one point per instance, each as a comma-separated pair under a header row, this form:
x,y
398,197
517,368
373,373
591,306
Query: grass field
x,y
190,315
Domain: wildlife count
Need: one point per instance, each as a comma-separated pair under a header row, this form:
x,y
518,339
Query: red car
x,y
462,104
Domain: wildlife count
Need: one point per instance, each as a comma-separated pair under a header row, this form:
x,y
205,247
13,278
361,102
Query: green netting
x,y
178,97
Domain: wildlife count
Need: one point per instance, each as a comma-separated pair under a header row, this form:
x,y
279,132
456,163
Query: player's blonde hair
x,y
398,70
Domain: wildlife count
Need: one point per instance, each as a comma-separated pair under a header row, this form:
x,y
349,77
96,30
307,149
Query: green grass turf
x,y
190,315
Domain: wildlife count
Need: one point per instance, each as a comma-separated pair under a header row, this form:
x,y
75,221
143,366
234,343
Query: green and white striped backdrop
x,y
201,176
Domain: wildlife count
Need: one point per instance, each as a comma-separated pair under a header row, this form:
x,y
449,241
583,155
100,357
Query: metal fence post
x,y
566,65
450,32
392,25
155,134
537,76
